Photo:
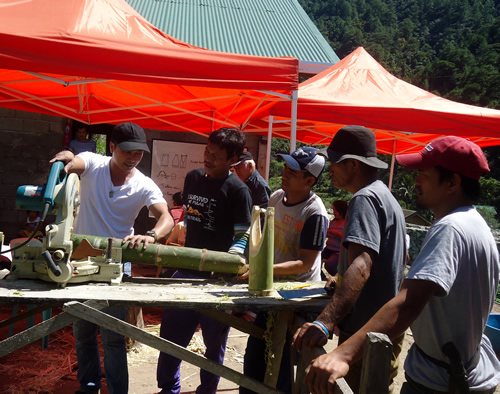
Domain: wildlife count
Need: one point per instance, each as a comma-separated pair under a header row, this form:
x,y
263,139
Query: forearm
x,y
393,319
346,294
290,268
164,222
305,260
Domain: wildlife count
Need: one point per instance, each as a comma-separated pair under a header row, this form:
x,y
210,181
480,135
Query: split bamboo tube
x,y
261,253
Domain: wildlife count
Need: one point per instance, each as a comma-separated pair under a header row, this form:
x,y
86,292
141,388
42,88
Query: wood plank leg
x,y
278,338
376,369
104,320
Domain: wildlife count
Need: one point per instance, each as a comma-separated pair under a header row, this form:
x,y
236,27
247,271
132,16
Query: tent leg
x,y
393,160
293,132
268,148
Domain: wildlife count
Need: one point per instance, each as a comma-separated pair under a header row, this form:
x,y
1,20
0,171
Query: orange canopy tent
x,y
99,61
358,90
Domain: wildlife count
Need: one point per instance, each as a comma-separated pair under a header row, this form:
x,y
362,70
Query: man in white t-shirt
x,y
449,290
112,193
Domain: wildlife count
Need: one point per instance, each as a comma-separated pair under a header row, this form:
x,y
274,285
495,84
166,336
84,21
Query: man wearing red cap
x,y
449,290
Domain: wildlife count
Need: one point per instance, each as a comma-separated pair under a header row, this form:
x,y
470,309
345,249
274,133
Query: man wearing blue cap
x,y
373,252
300,226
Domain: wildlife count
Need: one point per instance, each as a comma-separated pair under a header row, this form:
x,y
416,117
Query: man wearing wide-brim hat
x,y
373,252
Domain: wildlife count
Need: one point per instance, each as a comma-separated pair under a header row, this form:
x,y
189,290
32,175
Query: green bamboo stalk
x,y
261,256
170,256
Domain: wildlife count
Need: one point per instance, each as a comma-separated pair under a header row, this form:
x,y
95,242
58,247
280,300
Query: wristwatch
x,y
152,233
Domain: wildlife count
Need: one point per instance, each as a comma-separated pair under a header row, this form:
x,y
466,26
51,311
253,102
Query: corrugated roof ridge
x,y
314,30
178,18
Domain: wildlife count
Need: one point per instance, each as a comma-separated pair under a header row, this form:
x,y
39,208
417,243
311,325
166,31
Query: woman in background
x,y
330,255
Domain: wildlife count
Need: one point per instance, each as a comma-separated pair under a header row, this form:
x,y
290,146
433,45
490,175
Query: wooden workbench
x,y
84,301
162,293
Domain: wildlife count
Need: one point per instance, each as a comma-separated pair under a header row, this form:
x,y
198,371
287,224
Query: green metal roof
x,y
253,27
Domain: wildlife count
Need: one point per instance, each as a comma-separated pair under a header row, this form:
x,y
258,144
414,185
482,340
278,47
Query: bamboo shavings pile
x,y
141,353
36,370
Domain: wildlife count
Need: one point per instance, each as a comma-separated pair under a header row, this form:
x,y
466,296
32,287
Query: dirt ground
x,y
29,369
33,370
190,374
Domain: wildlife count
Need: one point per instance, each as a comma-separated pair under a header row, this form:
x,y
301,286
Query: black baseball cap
x,y
129,136
246,155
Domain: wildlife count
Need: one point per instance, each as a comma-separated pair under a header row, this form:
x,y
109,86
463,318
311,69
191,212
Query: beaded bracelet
x,y
322,326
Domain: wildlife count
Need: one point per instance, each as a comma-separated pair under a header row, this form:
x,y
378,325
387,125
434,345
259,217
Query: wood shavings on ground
x,y
34,370
196,345
139,352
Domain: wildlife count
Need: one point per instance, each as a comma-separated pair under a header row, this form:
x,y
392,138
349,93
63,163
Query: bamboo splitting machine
x,y
64,257
52,259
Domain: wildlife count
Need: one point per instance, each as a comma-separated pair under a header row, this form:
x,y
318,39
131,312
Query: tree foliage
x,y
448,47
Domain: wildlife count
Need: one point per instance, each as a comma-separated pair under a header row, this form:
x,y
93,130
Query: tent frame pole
x,y
393,160
293,131
268,147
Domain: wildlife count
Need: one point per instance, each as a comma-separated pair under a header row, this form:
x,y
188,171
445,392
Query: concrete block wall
x,y
29,140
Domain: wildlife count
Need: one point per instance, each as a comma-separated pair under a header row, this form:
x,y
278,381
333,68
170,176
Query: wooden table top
x,y
166,293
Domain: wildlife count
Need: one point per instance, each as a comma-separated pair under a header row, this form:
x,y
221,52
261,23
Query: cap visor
x,y
290,161
131,145
374,162
414,161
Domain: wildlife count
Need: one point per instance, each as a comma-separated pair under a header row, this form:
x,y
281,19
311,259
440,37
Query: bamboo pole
x,y
169,256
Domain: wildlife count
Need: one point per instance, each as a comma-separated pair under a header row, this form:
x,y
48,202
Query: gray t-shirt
x,y
78,147
375,220
459,254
